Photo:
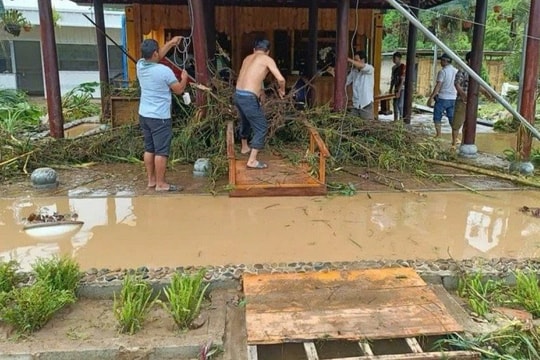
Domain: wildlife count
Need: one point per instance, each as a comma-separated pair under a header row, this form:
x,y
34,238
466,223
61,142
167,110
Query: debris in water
x,y
533,211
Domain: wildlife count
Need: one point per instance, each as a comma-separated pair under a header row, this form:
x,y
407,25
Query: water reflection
x,y
203,230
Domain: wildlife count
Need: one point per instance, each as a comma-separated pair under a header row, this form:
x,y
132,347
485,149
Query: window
x,y
73,57
5,57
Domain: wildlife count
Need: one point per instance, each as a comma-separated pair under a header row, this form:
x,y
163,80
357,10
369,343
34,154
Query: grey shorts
x,y
157,134
365,113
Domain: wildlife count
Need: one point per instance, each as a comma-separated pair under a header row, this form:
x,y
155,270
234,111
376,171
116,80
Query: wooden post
x,y
210,13
313,20
469,127
50,69
377,58
200,50
103,61
529,86
410,67
341,55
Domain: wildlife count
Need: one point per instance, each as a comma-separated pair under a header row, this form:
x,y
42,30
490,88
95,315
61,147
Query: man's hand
x,y
176,40
281,93
430,102
184,76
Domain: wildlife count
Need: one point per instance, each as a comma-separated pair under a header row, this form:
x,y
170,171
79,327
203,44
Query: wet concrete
x,y
181,230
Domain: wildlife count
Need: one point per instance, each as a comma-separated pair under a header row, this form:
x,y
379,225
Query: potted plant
x,y
13,20
27,26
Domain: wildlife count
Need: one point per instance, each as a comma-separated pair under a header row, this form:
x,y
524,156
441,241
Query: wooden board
x,y
361,304
124,110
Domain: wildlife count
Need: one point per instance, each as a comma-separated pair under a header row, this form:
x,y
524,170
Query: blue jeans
x,y
398,106
251,118
443,106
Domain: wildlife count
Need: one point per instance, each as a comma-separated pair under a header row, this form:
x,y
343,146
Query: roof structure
x,y
363,4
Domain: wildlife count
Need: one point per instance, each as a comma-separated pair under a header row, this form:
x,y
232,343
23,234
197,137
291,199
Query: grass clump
x,y
28,309
133,305
9,278
527,293
185,295
59,273
479,293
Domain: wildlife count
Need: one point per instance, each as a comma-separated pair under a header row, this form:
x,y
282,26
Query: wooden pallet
x,y
416,353
356,305
281,178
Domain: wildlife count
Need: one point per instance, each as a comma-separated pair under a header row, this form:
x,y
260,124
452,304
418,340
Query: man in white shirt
x,y
362,80
444,94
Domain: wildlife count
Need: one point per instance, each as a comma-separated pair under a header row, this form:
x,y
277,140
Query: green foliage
x,y
527,293
9,278
478,292
133,305
28,309
16,113
59,273
342,189
513,342
185,294
12,17
77,103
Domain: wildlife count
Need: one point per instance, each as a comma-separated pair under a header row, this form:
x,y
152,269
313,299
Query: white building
x,y
21,64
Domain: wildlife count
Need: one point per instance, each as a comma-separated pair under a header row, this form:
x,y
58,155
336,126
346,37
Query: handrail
x,y
317,138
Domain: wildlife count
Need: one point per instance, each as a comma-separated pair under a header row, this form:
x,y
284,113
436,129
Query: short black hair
x,y
361,54
397,54
261,44
148,47
468,56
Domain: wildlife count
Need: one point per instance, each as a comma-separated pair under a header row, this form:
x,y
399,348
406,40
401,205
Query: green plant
x,y
478,292
527,293
77,103
8,276
185,295
59,273
28,309
133,305
13,20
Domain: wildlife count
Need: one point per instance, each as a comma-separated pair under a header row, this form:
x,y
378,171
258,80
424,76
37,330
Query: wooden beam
x,y
311,351
252,352
410,67
103,59
342,40
377,58
366,349
453,355
200,49
414,345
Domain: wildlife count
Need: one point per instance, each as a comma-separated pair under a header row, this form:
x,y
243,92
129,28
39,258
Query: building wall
x,y
8,81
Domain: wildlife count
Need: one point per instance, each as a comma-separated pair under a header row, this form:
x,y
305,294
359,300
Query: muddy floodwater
x,y
202,230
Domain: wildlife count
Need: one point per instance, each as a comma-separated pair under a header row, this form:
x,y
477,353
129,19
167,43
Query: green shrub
x,y
133,305
479,293
16,113
77,103
185,295
8,276
28,309
527,292
59,273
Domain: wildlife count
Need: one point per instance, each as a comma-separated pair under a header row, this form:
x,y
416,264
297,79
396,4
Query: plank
x,y
279,171
452,355
349,324
366,349
339,297
414,345
252,352
278,191
311,351
364,279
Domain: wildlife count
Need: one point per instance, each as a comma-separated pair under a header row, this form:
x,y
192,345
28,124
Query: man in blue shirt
x,y
157,81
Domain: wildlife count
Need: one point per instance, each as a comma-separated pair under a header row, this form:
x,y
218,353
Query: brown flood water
x,y
181,230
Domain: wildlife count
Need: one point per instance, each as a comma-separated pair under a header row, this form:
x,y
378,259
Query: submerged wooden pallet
x,y
360,306
281,178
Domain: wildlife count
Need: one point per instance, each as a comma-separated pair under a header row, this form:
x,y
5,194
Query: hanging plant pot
x,y
497,9
13,29
27,27
466,25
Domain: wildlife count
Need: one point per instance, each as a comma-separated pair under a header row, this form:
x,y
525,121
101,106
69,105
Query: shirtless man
x,y
254,69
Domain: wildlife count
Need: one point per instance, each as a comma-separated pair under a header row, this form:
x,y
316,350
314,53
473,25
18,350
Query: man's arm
x,y
401,81
457,84
168,46
178,87
277,74
434,93
357,64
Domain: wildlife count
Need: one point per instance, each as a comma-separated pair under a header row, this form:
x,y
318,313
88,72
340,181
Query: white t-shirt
x,y
155,81
363,82
447,76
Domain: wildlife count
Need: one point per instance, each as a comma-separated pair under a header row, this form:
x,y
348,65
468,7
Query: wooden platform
x,y
361,306
281,178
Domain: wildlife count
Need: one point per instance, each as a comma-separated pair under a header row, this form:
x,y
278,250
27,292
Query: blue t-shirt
x,y
155,81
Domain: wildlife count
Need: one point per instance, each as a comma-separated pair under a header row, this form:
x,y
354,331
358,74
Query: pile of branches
x,y
201,132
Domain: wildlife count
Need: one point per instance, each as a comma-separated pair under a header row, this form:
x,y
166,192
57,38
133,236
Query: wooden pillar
x,y
469,127
410,67
313,45
210,13
103,61
200,50
530,81
50,69
377,57
341,55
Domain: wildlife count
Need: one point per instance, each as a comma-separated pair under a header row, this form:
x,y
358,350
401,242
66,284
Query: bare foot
x,y
245,151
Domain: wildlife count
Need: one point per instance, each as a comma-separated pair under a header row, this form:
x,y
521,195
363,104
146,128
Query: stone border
x,y
103,283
